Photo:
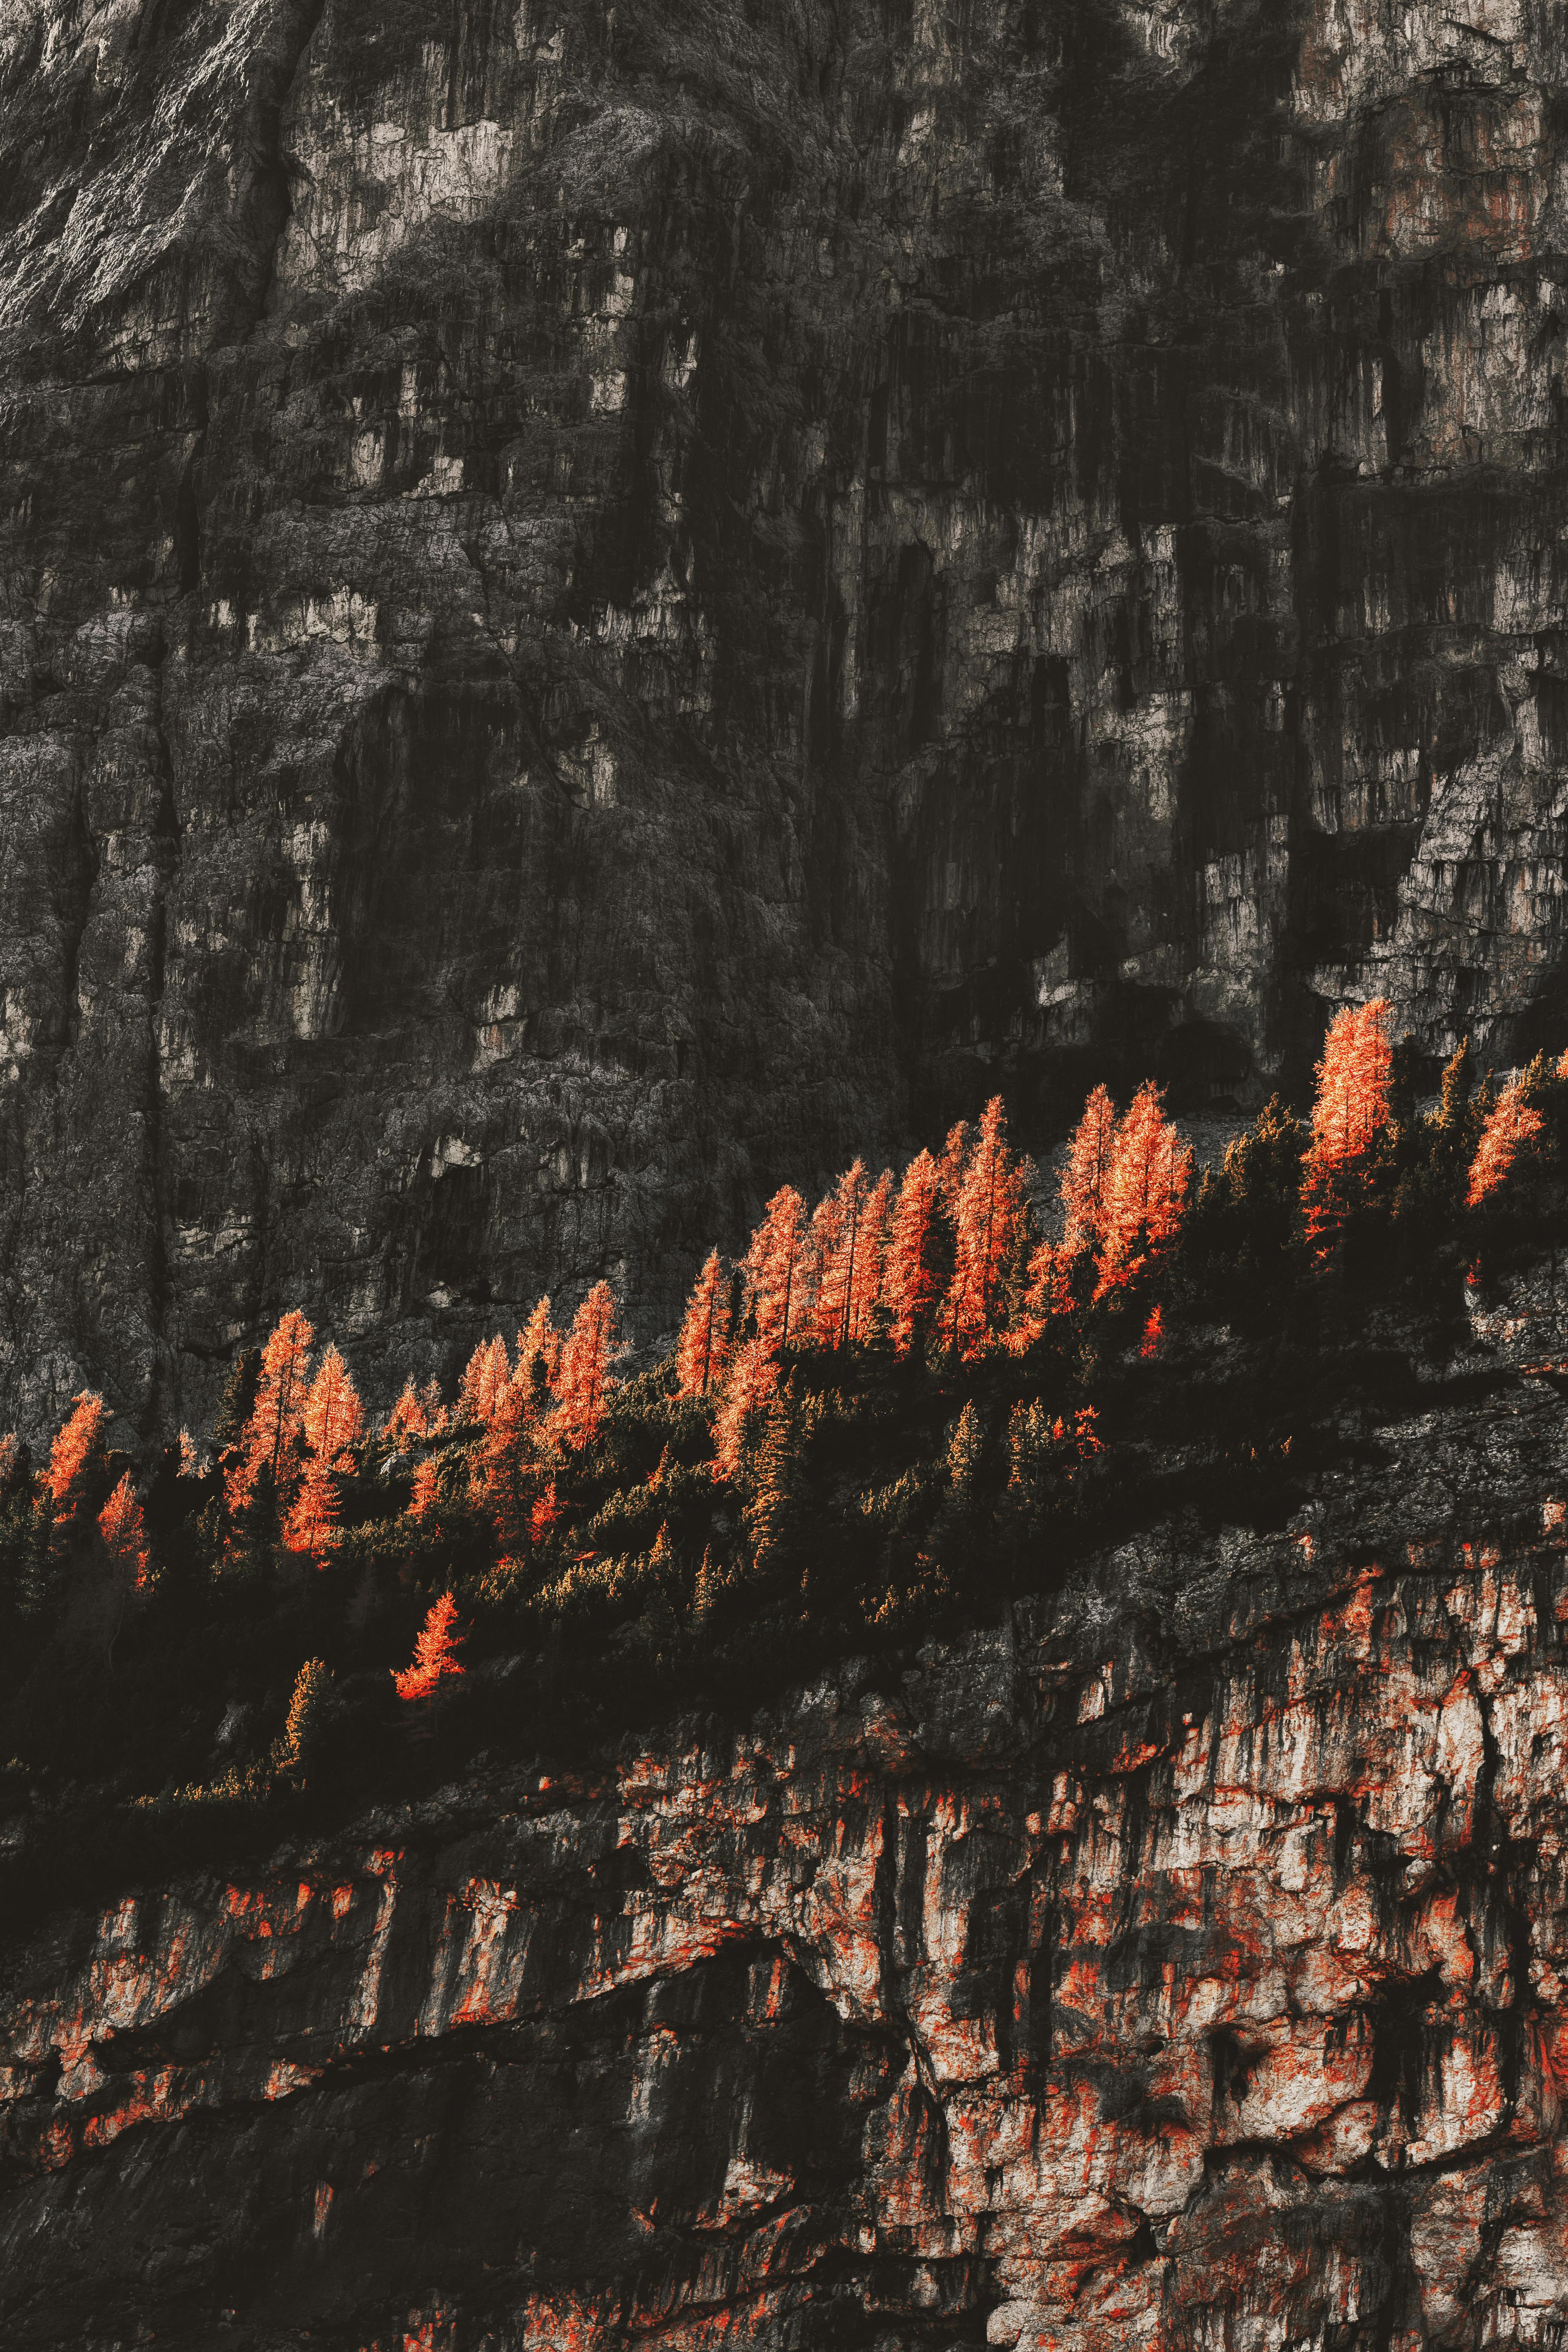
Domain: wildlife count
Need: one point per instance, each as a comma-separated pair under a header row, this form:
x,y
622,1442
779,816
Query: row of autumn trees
x,y
948,1269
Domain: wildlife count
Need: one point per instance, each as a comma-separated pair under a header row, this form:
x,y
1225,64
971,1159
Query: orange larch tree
x,y
79,1463
484,1382
334,1420
949,1168
870,1257
840,1239
539,1345
1086,1177
333,1416
584,1382
1048,1292
1350,1110
408,1421
911,1273
124,1534
1511,1125
275,1433
993,1210
1145,1191
751,1379
433,1652
509,1469
704,1342
776,1267
425,1502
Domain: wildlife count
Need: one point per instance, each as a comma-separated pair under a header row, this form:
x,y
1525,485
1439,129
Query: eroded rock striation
x,y
603,607
1183,1963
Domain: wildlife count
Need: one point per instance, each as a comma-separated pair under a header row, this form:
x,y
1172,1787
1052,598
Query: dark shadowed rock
x,y
603,608
1183,1963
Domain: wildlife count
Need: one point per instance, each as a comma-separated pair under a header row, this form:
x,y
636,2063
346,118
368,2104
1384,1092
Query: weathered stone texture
x,y
606,607
1185,1964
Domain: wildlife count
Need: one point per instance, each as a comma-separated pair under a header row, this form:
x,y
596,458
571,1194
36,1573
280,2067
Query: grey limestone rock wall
x,y
603,607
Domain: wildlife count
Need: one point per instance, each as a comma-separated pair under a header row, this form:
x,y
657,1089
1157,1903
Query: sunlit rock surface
x,y
1183,1964
605,608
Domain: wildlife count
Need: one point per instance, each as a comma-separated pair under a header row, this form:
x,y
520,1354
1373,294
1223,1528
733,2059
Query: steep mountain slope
x,y
1179,1964
606,606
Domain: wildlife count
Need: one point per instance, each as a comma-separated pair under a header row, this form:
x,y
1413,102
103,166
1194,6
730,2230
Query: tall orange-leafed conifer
x,y
509,1469
1511,1125
870,1259
334,1420
78,1462
539,1345
775,1267
1087,1176
704,1342
838,1232
751,1379
584,1382
124,1534
911,1273
1145,1192
484,1380
950,1167
407,1420
1350,1110
433,1652
993,1203
274,1435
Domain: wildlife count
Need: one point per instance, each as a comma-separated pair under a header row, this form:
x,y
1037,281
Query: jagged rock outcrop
x,y
1183,1964
604,606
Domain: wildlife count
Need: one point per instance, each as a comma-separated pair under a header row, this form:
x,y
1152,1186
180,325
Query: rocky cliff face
x,y
1184,1965
606,606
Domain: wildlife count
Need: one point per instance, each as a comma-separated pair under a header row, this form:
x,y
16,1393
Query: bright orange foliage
x,y
334,1420
484,1380
425,1501
752,1378
1145,1191
507,1469
703,1344
274,1435
433,1652
77,1457
1049,1292
993,1203
1350,1108
583,1382
911,1277
950,1166
843,1234
539,1345
124,1533
1510,1125
870,1258
776,1263
1087,1175
311,1524
1153,1332
333,1416
407,1420
547,1509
